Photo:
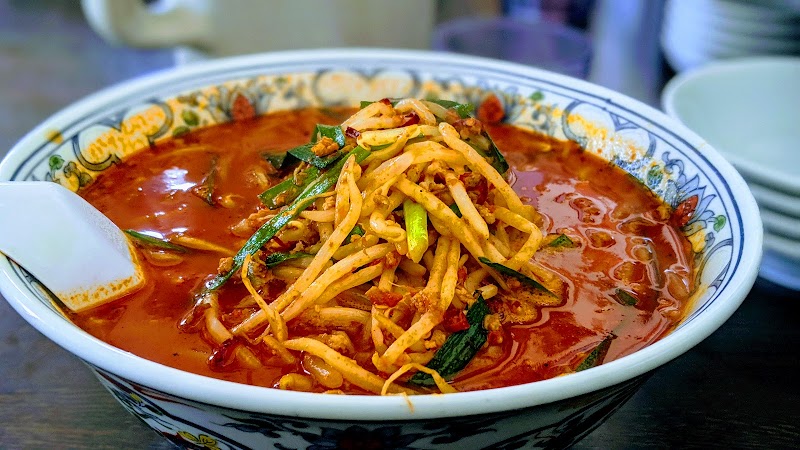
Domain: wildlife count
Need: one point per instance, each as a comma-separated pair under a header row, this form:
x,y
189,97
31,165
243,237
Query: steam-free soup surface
x,y
623,241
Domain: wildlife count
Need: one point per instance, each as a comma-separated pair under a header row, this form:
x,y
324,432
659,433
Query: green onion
x,y
596,356
459,348
514,274
273,259
318,186
304,153
357,230
330,131
561,241
416,219
279,160
497,160
206,187
454,208
624,297
150,241
272,197
464,110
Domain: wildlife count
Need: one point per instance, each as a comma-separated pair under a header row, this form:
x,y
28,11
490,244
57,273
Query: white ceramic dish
x,y
781,262
777,201
747,109
779,268
779,224
676,164
749,10
695,33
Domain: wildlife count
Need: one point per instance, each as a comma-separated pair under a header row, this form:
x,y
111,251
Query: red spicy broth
x,y
624,237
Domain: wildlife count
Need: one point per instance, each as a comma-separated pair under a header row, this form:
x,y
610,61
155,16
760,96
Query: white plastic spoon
x,y
67,244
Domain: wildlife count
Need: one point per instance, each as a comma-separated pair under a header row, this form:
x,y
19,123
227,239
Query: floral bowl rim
x,y
701,324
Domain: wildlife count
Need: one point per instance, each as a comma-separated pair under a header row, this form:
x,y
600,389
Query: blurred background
x,y
53,52
50,54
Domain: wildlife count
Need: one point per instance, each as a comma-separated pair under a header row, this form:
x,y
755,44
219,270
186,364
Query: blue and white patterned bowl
x,y
76,144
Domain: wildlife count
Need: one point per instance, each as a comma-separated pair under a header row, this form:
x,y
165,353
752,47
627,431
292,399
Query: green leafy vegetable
x,y
596,356
561,241
459,348
206,187
316,187
454,208
279,160
464,110
287,190
357,230
276,258
497,160
519,276
305,153
150,241
624,297
333,132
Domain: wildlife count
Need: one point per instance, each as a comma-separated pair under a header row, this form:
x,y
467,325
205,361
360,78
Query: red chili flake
x,y
386,101
685,211
379,297
410,119
242,108
462,274
491,110
455,320
352,132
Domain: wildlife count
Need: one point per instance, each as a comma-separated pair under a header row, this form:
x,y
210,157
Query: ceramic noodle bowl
x,y
80,142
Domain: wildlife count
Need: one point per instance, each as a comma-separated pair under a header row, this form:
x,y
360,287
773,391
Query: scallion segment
x,y
154,242
305,152
274,259
459,348
496,159
416,220
321,184
464,110
624,297
562,240
597,355
287,190
507,271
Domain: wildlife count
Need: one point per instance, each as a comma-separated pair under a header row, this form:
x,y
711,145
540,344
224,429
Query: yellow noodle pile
x,y
342,284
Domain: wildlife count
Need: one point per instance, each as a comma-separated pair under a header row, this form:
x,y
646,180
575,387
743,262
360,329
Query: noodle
x,y
412,187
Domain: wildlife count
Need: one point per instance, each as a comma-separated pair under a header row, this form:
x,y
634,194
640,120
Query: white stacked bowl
x,y
749,110
696,32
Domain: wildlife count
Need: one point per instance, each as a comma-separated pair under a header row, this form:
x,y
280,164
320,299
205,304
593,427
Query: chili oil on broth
x,y
152,191
624,241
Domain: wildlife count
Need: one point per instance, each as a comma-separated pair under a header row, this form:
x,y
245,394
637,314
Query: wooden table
x,y
737,389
